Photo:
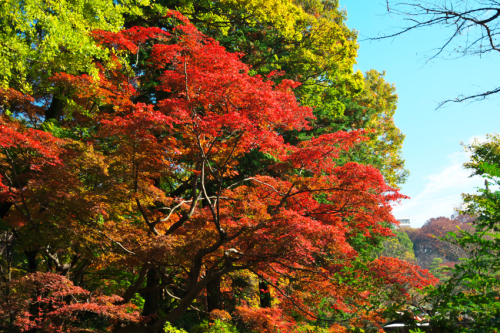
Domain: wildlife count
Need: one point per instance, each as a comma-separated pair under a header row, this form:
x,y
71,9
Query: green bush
x,y
168,328
218,326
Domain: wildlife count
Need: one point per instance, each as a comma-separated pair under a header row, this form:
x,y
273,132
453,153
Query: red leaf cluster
x,y
51,303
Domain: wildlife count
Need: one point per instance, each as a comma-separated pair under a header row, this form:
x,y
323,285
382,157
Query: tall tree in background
x,y
39,39
374,111
400,247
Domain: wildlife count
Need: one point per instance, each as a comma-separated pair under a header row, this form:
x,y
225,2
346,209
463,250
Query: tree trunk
x,y
130,292
184,304
214,301
31,256
4,209
265,295
55,109
151,298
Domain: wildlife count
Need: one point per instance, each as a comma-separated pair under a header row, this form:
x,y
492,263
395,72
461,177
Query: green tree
x,y
404,240
399,246
468,300
481,152
436,268
41,38
373,110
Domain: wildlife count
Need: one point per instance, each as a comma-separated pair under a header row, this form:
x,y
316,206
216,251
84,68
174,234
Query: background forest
x,y
217,166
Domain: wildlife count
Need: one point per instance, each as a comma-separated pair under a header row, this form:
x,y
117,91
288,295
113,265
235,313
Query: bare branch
x,y
117,243
474,27
476,97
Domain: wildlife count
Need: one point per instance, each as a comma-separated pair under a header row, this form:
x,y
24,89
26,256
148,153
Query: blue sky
x,y
432,146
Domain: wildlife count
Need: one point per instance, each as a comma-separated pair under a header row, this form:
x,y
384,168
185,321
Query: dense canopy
x,y
165,173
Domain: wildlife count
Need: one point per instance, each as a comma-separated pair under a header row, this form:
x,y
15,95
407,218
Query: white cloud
x,y
480,138
442,190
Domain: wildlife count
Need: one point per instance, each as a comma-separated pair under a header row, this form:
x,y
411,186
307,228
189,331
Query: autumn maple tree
x,y
309,42
129,196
